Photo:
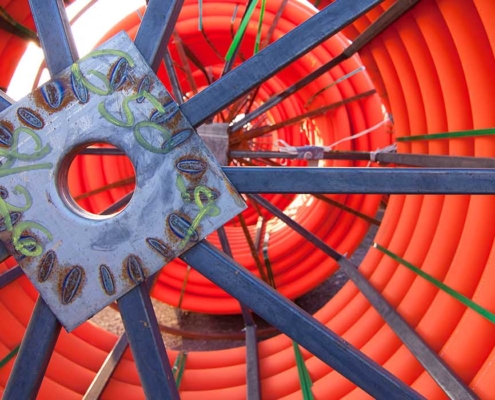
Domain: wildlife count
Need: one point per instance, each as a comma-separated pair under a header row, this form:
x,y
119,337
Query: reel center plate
x,y
79,262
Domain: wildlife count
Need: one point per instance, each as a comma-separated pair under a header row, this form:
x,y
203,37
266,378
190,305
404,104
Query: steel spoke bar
x,y
146,344
252,357
350,210
254,133
102,151
383,22
296,323
361,180
172,76
34,354
54,33
156,29
10,276
43,329
413,160
106,371
445,377
5,101
273,58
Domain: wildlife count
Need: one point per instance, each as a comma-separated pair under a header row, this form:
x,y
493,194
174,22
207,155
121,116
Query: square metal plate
x,y
81,262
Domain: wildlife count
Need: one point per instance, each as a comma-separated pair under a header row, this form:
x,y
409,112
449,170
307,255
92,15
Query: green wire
x,y
179,367
448,135
240,33
260,25
9,356
442,286
304,377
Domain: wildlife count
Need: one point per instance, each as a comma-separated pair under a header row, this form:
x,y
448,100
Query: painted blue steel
x,y
398,9
107,369
445,377
43,329
54,33
273,58
34,354
296,323
172,77
361,180
10,276
147,345
252,358
156,29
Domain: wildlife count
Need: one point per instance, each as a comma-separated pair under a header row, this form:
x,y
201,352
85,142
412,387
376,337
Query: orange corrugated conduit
x,y
434,71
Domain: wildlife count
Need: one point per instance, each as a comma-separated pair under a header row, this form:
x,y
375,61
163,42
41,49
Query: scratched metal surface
x,y
79,262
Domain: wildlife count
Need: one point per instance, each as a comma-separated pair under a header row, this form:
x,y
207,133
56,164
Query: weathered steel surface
x,y
80,262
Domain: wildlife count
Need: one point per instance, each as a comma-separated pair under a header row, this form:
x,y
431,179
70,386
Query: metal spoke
x,y
296,323
252,357
361,180
54,33
254,133
10,276
172,76
156,29
272,59
413,160
146,344
107,369
446,378
34,354
384,21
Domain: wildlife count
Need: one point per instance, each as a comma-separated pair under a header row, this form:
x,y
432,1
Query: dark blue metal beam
x,y
273,58
55,35
10,275
445,377
156,29
399,8
361,180
106,371
34,354
147,345
296,323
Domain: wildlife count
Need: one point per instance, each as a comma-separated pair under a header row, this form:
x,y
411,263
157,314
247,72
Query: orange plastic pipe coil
x,y
434,71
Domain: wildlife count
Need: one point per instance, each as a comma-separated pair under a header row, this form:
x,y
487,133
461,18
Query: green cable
x,y
9,356
304,377
260,25
179,367
240,33
448,135
442,286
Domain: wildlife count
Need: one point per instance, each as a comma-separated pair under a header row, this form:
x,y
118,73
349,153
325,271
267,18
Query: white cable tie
x,y
357,135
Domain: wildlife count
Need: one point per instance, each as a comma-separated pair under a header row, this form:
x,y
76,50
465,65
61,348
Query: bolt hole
x,y
96,180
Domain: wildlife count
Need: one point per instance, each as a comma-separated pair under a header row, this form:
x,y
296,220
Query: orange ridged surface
x,y
435,67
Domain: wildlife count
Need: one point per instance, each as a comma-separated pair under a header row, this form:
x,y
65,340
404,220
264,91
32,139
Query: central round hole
x,y
97,180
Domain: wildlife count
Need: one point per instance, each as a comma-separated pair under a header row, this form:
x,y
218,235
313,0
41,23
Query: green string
x,y
304,377
179,367
9,356
448,135
260,25
240,33
442,286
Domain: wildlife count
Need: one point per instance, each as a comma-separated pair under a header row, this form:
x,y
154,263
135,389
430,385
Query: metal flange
x,y
81,262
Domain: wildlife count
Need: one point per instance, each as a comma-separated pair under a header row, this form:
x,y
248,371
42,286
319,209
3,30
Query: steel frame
x,y
146,343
